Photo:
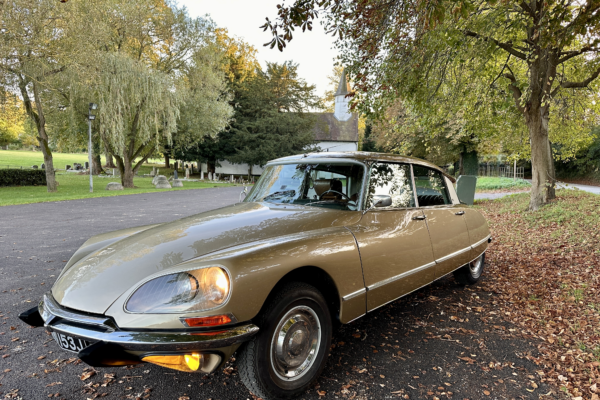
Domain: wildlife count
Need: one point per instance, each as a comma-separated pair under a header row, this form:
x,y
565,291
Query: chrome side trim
x,y
456,253
482,241
354,294
400,276
49,309
161,341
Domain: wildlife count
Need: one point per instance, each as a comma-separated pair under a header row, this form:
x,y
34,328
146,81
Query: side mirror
x,y
382,200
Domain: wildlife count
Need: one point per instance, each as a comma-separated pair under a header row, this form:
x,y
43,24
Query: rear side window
x,y
430,187
392,180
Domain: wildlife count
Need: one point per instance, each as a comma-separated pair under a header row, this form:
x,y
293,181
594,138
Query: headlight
x,y
197,290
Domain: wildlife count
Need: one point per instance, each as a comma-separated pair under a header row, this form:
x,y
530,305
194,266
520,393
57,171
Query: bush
x,y
22,177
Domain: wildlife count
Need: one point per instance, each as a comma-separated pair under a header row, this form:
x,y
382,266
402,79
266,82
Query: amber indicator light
x,y
207,321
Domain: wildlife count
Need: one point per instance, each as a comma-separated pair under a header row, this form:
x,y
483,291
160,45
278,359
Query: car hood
x,y
97,280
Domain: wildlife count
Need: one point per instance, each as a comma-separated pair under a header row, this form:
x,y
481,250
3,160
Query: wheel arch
x,y
316,277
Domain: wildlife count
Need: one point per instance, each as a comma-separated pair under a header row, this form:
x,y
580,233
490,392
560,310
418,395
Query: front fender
x,y
257,267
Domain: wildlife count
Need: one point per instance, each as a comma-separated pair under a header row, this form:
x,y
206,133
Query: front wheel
x,y
291,349
470,273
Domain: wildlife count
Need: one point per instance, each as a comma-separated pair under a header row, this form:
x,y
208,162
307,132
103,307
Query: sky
x,y
312,50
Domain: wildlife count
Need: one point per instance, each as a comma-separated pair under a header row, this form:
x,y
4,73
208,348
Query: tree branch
x,y
583,83
505,46
514,89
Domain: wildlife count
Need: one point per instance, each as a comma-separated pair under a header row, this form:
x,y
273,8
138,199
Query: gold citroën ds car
x,y
320,239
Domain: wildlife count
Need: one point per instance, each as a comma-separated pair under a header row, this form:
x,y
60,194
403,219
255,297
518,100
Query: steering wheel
x,y
334,191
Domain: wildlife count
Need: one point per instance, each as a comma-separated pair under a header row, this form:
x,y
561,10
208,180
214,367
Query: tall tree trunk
x,y
167,160
249,172
126,169
210,166
96,161
40,121
551,173
541,159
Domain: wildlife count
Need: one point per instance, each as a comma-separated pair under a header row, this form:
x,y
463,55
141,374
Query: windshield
x,y
328,185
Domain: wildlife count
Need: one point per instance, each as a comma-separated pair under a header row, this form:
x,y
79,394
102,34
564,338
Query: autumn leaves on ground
x,y
544,269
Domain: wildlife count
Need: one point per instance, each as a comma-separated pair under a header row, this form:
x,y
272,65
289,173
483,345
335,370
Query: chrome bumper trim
x,y
161,341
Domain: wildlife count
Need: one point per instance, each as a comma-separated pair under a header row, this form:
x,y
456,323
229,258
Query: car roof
x,y
361,156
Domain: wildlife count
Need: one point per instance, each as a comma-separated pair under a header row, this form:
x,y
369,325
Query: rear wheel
x,y
291,349
471,272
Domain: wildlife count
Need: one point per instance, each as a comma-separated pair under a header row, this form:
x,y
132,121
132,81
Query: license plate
x,y
70,343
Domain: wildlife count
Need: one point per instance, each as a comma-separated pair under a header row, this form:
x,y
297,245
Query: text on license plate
x,y
70,343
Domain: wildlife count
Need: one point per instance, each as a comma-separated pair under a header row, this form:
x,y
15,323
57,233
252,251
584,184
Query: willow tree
x,y
401,47
138,107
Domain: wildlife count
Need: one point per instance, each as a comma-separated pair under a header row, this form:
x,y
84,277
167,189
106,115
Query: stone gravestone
x,y
67,167
153,172
187,173
155,179
201,175
210,176
177,183
114,186
162,182
87,165
175,174
43,166
34,166
231,180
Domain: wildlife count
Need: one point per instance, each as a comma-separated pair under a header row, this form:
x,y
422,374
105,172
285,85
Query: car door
x,y
393,241
445,220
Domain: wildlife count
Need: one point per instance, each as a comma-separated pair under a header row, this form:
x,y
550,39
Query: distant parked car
x,y
320,239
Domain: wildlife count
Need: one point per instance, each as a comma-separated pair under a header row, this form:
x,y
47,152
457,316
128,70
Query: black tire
x,y
256,365
470,273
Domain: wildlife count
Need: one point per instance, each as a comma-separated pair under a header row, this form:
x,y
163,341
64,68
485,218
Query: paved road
x,y
402,348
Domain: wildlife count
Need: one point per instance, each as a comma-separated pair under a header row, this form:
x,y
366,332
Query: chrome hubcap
x,y
296,343
476,266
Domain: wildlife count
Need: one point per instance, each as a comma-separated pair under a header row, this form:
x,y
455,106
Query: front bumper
x,y
110,345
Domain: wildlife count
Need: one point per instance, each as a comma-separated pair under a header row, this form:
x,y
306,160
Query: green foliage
x,y
586,162
368,143
272,118
22,177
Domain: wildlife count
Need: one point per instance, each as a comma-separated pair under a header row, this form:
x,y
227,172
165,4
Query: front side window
x,y
393,180
330,185
430,187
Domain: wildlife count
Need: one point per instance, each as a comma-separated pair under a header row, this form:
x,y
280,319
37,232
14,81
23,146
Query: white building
x,y
336,131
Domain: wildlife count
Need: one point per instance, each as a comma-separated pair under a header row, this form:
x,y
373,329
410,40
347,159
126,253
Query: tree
x,y
548,50
40,41
137,108
238,63
12,116
272,118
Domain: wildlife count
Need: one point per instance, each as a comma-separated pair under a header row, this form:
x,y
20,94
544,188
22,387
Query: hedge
x,y
22,177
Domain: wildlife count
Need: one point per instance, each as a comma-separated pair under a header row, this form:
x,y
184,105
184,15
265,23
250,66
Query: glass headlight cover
x,y
186,291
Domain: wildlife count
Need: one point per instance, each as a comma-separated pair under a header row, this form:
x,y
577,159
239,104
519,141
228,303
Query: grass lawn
x,y
26,158
543,269
490,183
72,186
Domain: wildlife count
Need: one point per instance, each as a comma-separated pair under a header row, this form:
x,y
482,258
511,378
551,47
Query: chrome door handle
x,y
460,213
418,217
